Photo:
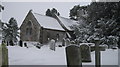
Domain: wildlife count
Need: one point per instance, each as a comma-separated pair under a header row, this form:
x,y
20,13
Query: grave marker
x,y
4,55
20,43
67,42
63,42
85,53
38,45
73,56
25,45
52,44
97,53
0,55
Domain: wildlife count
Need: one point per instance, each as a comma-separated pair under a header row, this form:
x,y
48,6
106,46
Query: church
x,y
42,28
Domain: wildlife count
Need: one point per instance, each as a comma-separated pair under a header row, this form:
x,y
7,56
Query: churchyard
x,y
54,55
59,42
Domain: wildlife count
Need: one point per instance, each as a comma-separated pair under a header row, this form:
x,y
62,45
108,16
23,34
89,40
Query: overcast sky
x,y
19,10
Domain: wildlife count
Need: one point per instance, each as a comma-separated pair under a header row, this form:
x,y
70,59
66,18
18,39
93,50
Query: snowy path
x,y
45,56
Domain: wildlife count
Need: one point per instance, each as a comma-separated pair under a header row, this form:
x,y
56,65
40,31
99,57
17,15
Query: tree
x,y
102,21
74,11
52,11
106,10
48,12
10,31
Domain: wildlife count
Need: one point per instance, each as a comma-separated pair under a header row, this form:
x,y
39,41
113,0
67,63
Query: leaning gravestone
x,y
67,42
73,56
52,44
38,45
85,53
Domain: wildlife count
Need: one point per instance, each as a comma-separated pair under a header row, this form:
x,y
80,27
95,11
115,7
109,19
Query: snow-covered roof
x,y
67,22
48,22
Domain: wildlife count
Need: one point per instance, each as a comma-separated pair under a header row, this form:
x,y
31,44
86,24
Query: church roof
x,y
67,22
48,22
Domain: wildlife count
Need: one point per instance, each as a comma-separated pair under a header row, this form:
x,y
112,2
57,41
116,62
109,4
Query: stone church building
x,y
41,28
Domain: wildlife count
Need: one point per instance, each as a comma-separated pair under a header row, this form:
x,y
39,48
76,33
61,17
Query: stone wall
x,y
35,29
39,34
53,34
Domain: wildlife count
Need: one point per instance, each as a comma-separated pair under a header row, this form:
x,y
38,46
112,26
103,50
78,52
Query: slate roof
x,y
67,22
52,23
48,22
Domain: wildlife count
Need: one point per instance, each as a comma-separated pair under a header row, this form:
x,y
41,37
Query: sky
x,y
19,10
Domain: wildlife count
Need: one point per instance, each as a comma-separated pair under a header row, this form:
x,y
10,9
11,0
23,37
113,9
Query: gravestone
x,y
4,55
73,56
0,55
25,44
11,43
85,53
52,44
38,45
63,42
67,42
20,43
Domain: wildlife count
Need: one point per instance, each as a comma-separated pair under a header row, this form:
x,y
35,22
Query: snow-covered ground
x,y
45,56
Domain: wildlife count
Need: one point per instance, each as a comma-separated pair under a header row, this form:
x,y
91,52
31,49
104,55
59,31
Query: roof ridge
x,y
67,18
43,15
47,22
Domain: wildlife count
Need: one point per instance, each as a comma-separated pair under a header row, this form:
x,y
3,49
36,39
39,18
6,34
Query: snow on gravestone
x,y
67,42
73,56
52,44
85,53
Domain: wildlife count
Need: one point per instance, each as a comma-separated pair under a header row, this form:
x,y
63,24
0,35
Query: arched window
x,y
29,28
28,31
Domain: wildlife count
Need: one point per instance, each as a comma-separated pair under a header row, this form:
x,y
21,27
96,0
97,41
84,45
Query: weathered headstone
x,y
52,44
63,42
67,42
25,44
38,45
4,56
11,43
20,43
0,55
85,53
73,56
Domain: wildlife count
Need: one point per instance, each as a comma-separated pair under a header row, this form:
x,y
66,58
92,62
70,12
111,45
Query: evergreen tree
x,y
103,18
10,31
48,12
74,11
52,11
